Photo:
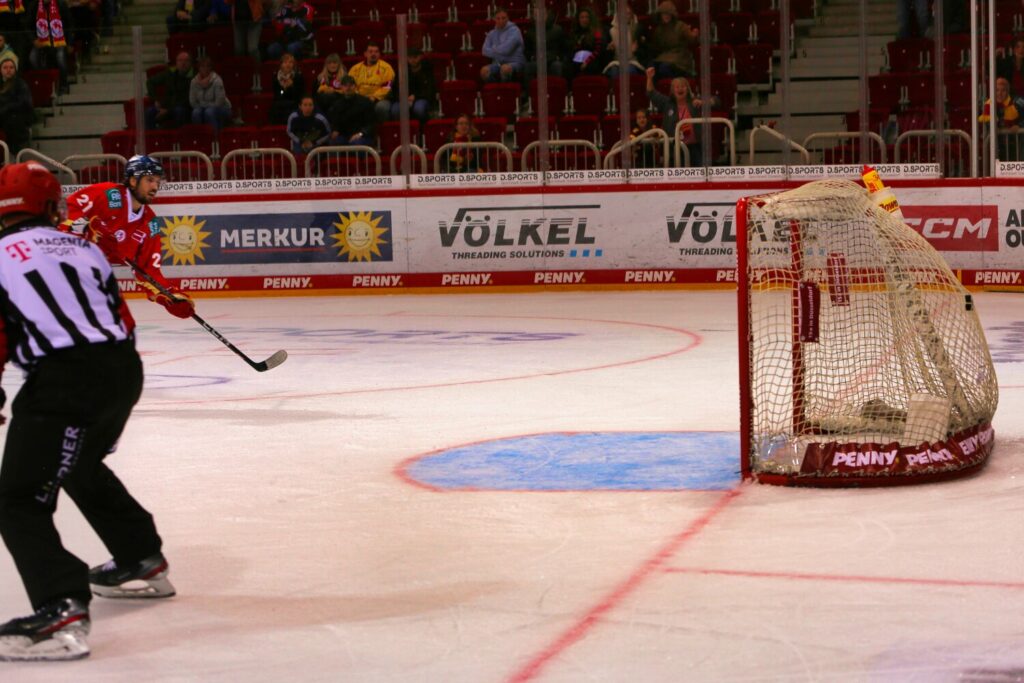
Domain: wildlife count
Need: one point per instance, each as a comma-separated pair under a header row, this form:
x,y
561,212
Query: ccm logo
x,y
956,228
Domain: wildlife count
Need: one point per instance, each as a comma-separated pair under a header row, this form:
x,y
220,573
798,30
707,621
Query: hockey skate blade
x,y
64,645
139,589
272,362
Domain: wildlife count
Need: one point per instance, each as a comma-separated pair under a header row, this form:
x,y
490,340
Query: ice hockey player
x,y
119,219
63,321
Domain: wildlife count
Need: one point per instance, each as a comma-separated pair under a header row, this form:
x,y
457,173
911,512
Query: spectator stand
x,y
97,168
655,139
354,160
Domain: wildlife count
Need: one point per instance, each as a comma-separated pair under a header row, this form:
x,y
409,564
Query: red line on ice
x,y
850,578
613,599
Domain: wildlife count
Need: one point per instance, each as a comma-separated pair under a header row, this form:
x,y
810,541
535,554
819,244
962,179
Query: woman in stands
x,y
327,88
15,105
589,39
289,87
680,105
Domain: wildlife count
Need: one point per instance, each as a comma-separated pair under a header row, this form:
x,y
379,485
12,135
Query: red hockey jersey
x,y
106,208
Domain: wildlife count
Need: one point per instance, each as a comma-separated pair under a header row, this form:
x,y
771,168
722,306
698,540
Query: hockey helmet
x,y
140,165
28,188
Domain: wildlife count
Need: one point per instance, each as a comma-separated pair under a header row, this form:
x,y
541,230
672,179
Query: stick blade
x,y
272,362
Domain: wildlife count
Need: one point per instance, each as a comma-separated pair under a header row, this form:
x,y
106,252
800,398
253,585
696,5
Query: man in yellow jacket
x,y
373,78
1007,111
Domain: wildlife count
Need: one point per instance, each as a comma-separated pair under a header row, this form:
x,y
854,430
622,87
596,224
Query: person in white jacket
x,y
209,102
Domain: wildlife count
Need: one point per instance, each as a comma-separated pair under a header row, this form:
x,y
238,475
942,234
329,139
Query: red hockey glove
x,y
106,242
178,304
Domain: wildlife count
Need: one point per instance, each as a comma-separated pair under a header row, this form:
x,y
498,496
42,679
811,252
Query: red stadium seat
x,y
364,32
119,142
478,31
43,85
451,37
767,23
468,65
909,54
439,62
218,42
754,63
721,56
734,28
491,128
637,93
589,95
351,11
885,91
196,137
958,88
920,89
183,42
129,111
501,99
273,136
161,140
458,97
237,74
557,90
255,108
878,119
437,132
527,130
241,137
389,135
579,128
334,39
471,10
430,11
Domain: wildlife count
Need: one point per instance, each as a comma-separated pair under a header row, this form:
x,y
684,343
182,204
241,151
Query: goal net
x,y
862,359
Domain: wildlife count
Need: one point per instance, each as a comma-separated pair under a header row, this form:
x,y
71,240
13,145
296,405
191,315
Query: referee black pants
x,y
65,420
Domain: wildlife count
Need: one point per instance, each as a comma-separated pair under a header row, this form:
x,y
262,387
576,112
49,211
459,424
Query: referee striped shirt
x,y
57,291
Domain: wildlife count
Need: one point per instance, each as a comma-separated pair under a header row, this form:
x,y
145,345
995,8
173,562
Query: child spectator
x,y
328,82
294,27
422,88
169,91
462,159
308,128
373,78
288,88
351,116
503,45
209,102
645,155
15,105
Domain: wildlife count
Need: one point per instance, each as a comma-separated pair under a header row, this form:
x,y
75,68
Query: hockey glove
x,y
106,242
178,304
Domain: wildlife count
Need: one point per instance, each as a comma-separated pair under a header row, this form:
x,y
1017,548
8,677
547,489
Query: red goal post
x,y
862,358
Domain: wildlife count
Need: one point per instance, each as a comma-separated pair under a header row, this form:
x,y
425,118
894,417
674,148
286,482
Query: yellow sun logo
x,y
183,239
360,236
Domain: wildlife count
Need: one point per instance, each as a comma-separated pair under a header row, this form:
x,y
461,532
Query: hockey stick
x,y
259,366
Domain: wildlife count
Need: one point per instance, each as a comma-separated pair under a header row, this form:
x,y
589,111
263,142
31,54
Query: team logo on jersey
x,y
360,235
154,228
184,240
114,200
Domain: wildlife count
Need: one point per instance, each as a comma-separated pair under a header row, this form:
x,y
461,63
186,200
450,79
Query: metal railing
x,y
185,166
97,168
258,163
65,175
920,146
842,153
354,160
566,155
682,151
762,130
416,155
472,157
650,149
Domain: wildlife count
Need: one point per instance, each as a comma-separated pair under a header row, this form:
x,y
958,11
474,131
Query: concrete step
x,y
101,88
61,149
82,119
822,68
809,97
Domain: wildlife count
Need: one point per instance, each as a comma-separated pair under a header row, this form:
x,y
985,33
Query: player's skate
x,y
55,632
145,579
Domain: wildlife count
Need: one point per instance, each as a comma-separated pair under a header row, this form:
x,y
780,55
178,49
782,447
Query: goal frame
x,y
980,437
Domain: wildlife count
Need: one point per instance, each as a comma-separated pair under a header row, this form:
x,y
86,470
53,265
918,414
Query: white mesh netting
x,y
861,342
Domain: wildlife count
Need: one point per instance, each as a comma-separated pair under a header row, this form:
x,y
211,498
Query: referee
x,y
63,321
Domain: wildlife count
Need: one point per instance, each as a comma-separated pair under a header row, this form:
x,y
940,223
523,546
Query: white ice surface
x,y
300,555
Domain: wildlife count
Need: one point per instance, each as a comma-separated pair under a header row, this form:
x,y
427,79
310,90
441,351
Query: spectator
x,y
85,16
633,33
288,87
169,91
207,98
373,77
328,82
11,29
15,105
1008,110
588,43
462,159
308,128
6,50
677,107
556,49
670,42
293,25
52,24
503,45
189,15
247,23
422,88
645,154
922,13
351,117
1011,67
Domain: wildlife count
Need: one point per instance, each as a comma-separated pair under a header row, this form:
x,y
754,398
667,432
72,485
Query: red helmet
x,y
28,188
